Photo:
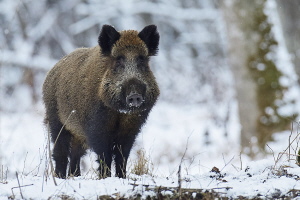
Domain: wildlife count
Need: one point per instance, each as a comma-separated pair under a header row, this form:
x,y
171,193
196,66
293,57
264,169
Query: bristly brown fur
x,y
129,40
94,84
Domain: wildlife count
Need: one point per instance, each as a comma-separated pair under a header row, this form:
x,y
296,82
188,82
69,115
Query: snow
x,y
259,179
195,130
171,132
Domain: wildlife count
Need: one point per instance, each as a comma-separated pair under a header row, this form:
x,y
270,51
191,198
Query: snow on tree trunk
x,y
289,13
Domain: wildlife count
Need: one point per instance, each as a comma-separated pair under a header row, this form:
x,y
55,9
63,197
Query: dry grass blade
x,y
142,165
50,160
288,148
72,112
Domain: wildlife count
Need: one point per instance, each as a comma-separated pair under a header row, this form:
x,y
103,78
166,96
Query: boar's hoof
x,y
134,100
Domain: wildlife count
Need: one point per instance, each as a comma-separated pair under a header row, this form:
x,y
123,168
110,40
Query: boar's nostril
x,y
134,100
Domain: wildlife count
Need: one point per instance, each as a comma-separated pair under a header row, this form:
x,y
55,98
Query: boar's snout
x,y
135,93
134,100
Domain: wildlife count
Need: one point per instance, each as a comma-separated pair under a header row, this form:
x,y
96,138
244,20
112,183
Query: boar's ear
x,y
151,38
107,38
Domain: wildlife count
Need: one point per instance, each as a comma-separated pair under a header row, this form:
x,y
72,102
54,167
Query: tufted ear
x,y
107,38
151,38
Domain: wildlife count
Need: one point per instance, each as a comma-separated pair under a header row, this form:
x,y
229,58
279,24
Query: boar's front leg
x,y
102,146
121,151
100,140
104,160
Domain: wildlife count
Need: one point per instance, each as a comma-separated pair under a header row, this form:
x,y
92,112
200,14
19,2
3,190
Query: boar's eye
x,y
141,59
119,62
142,62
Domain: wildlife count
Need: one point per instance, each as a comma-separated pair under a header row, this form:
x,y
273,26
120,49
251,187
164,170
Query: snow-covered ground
x,y
198,137
259,179
172,133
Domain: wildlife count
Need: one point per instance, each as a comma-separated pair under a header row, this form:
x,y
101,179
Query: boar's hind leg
x,y
77,151
121,152
61,146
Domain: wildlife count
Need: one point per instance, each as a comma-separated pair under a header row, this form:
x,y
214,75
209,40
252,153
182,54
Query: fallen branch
x,y
174,189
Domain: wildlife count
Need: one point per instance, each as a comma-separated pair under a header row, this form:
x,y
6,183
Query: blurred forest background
x,y
212,52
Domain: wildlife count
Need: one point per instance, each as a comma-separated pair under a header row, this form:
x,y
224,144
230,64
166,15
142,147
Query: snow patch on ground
x,y
259,179
172,131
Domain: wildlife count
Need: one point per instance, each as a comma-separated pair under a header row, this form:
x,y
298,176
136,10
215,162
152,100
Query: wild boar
x,y
99,98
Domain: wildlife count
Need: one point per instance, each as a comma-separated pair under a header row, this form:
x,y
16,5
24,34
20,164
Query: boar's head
x,y
128,84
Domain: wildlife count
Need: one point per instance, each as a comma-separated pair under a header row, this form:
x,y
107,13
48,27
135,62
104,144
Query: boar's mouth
x,y
134,103
127,96
133,96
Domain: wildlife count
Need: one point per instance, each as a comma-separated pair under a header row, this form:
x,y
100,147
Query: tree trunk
x,y
242,42
250,43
